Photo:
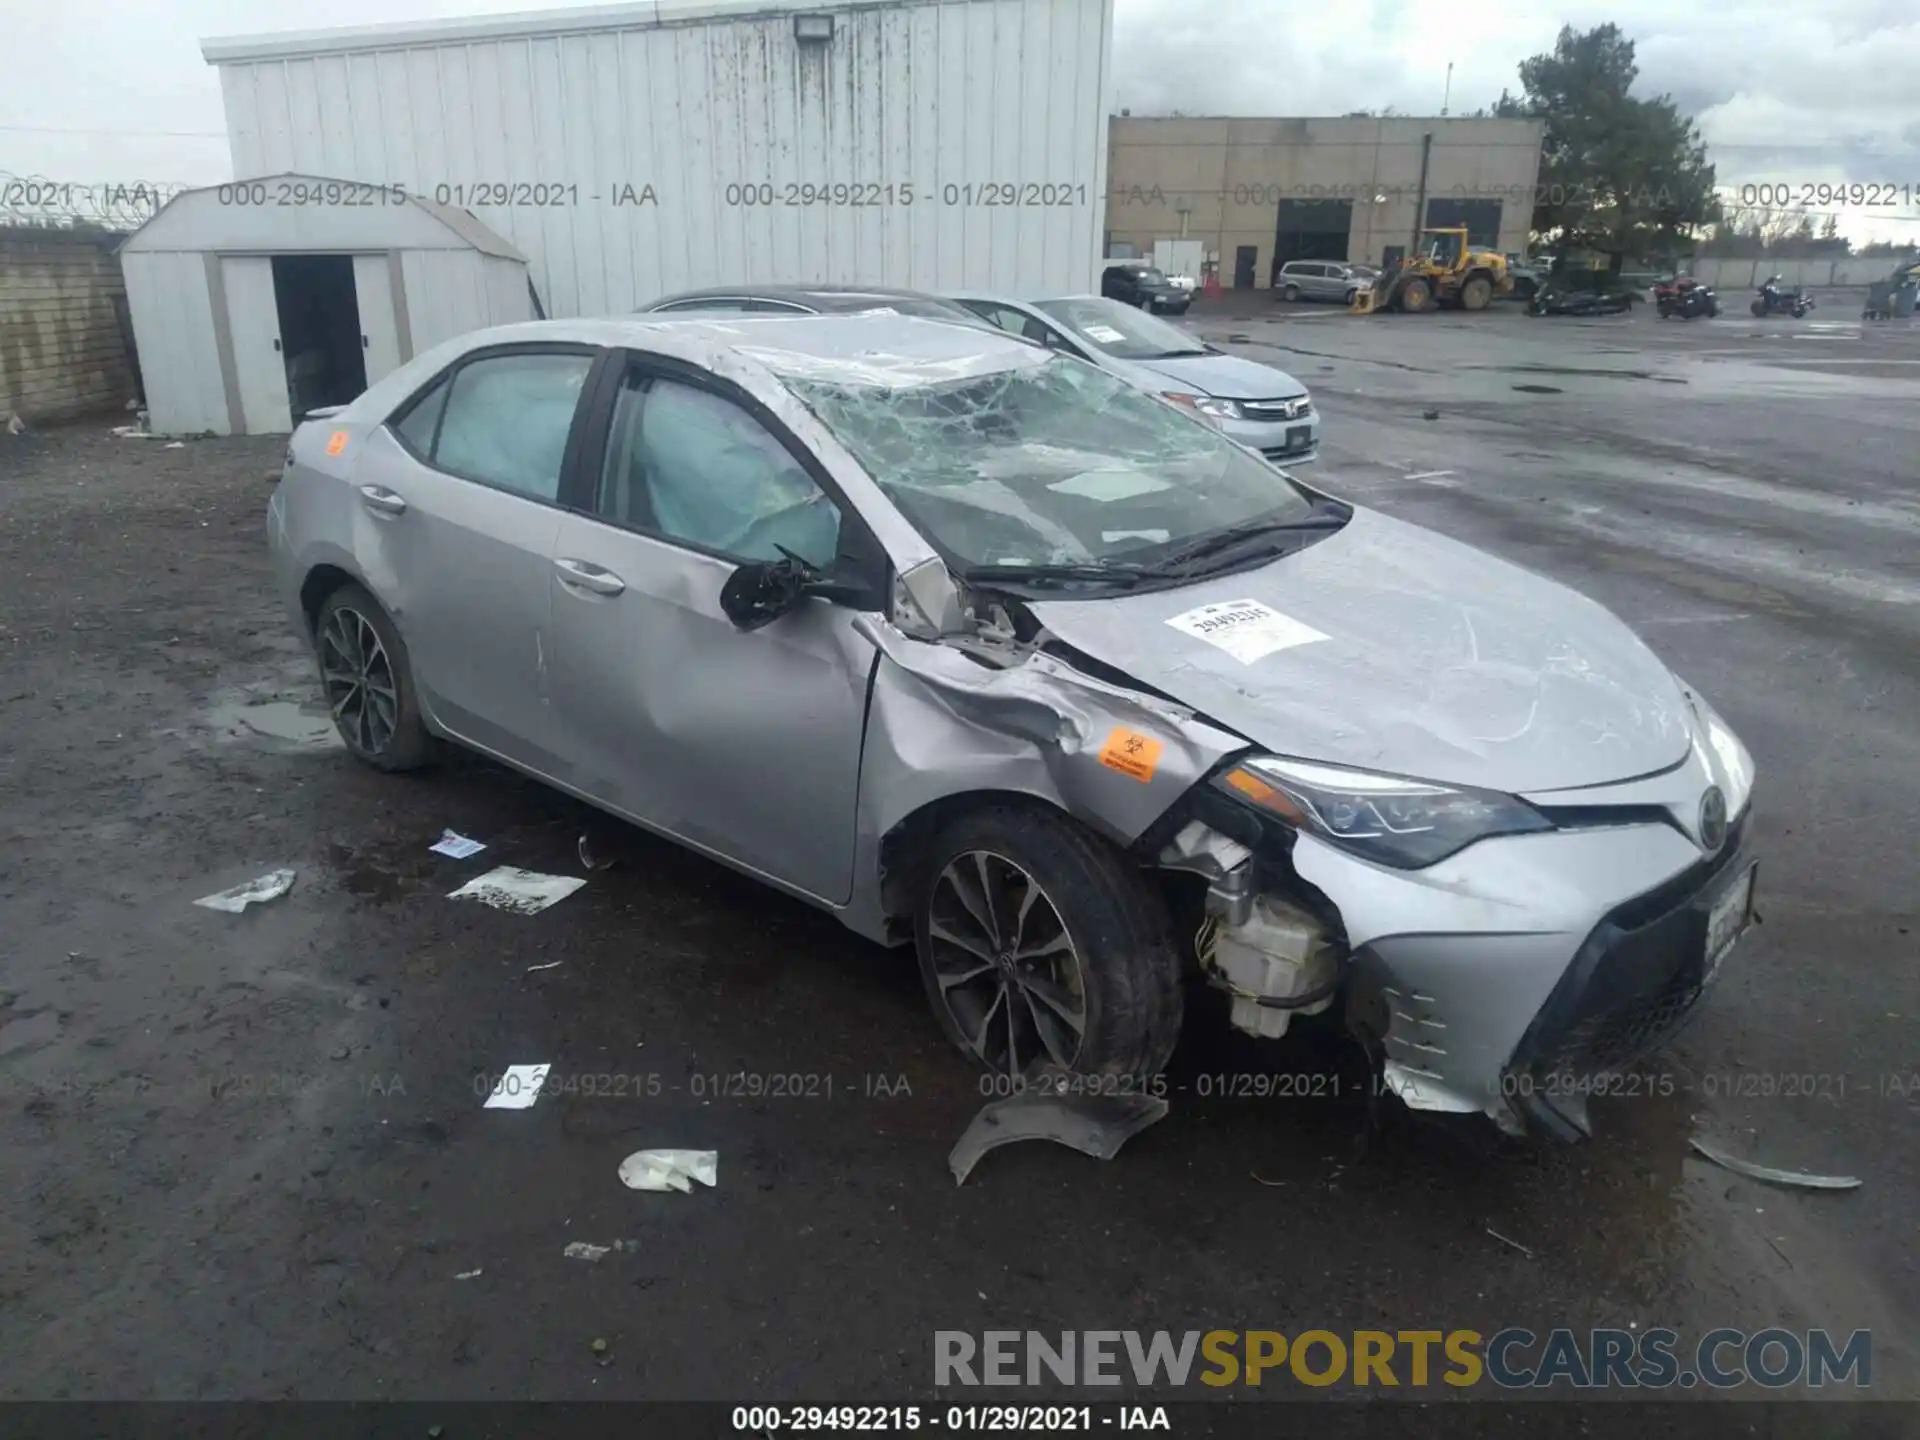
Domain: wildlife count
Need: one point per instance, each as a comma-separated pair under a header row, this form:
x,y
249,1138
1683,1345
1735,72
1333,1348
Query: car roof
x,y
993,297
870,349
825,298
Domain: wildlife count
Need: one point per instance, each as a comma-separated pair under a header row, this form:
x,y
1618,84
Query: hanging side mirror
x,y
761,591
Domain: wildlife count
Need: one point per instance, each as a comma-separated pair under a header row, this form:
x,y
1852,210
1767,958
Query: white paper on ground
x,y
581,1250
270,886
456,845
525,892
1245,629
669,1169
518,1088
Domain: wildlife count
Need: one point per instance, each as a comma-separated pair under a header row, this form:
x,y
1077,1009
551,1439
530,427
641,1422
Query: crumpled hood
x,y
1390,647
1228,376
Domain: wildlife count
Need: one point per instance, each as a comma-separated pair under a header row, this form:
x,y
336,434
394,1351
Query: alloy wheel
x,y
358,679
1009,974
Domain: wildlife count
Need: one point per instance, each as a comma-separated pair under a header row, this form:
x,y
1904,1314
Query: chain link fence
x,y
120,205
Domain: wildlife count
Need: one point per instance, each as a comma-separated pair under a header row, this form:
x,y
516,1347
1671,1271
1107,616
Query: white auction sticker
x,y
1245,629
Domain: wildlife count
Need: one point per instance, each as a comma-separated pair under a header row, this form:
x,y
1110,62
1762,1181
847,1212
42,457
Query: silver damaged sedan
x,y
989,653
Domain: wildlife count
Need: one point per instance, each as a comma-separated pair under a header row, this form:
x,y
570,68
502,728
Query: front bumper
x,y
1499,979
1285,442
1173,302
1634,981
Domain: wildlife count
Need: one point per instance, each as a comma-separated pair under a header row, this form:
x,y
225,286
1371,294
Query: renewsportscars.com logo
x,y
1510,1359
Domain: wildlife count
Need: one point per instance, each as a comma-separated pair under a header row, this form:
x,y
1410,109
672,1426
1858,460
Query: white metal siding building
x,y
244,303
636,150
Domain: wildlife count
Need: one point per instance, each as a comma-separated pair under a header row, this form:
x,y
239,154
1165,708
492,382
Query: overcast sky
x,y
1796,91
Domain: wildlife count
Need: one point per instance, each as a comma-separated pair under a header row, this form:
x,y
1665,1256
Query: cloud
x,y
1797,91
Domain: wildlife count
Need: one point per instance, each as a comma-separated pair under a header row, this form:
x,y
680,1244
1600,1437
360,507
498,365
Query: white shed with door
x,y
257,301
634,150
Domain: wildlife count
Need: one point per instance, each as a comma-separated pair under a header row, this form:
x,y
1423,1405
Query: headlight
x,y
1386,818
1208,405
1735,763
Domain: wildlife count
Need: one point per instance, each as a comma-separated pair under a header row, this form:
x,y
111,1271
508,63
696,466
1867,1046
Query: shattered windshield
x,y
1057,463
1122,331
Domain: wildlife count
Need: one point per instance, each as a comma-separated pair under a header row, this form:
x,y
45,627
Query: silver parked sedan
x,y
989,653
1259,406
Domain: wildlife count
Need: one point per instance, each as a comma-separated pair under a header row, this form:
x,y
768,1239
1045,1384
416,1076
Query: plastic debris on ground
x,y
15,425
259,890
518,1088
1794,1179
551,964
1096,1125
524,892
669,1169
456,845
133,432
473,1274
581,1250
591,856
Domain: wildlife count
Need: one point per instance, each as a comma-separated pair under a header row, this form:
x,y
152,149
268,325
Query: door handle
x,y
381,500
589,577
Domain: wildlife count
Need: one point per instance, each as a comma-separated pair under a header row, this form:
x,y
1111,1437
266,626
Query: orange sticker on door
x,y
1132,753
336,442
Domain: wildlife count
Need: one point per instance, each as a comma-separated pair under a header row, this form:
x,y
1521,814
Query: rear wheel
x,y
1416,295
1475,294
1040,946
368,681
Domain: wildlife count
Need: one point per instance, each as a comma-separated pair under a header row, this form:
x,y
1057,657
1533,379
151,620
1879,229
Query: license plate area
x,y
1728,920
1298,437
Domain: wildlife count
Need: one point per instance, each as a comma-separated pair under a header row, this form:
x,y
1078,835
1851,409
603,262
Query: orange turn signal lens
x,y
1267,797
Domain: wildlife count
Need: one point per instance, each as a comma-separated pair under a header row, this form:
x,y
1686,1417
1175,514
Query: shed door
x,y
253,322
379,328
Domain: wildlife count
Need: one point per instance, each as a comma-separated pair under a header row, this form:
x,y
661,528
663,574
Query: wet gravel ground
x,y
245,1155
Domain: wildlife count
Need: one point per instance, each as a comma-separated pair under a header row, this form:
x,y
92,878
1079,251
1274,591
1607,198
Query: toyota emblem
x,y
1713,819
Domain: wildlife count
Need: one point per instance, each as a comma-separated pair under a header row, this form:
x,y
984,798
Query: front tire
x,y
1290,293
1416,295
1040,945
367,678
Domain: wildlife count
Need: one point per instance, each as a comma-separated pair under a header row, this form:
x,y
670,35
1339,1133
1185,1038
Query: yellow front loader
x,y
1448,274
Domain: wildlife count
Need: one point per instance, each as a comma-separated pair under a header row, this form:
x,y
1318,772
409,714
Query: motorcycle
x,y
1686,297
1772,300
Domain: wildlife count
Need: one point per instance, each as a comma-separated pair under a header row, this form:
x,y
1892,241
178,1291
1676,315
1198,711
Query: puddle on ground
x,y
288,723
382,872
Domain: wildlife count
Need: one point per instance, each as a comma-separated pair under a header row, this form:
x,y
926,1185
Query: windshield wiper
x,y
1174,354
1246,530
1124,574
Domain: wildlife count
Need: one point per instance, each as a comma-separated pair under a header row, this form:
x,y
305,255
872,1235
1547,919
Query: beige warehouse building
x,y
1257,193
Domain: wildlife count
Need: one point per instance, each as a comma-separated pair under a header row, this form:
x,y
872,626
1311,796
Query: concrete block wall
x,y
63,353
1807,274
1220,180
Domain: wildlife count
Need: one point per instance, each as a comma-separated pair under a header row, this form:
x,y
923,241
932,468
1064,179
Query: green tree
x,y
1624,176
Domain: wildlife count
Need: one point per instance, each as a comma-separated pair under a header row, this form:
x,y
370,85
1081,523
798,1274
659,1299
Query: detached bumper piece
x,y
1633,982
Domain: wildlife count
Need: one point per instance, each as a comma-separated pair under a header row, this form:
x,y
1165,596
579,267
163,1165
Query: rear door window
x,y
507,420
417,426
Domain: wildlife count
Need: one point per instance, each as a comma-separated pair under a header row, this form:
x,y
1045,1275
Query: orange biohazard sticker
x,y
1132,753
336,442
